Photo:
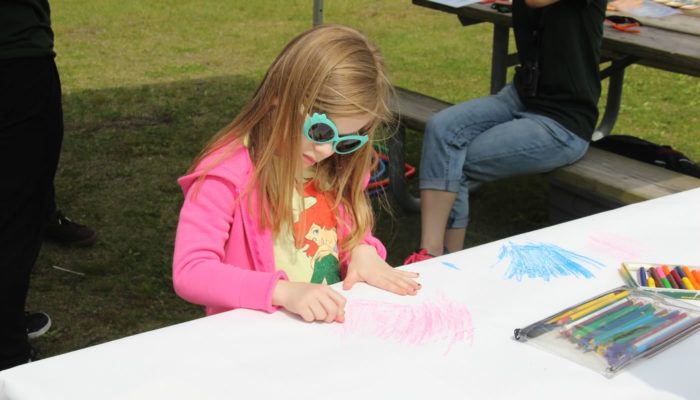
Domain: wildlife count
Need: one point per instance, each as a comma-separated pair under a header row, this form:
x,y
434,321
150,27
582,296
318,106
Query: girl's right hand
x,y
311,301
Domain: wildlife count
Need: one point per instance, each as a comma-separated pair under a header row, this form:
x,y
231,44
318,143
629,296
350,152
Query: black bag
x,y
652,153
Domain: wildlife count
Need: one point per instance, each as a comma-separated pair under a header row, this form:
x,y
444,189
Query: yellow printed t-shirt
x,y
316,260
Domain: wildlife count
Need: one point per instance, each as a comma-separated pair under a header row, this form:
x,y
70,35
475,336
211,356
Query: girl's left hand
x,y
366,266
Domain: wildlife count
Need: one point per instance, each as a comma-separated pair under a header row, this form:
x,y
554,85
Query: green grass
x,y
147,83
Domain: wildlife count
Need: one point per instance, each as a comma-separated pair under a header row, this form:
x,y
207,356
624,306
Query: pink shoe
x,y
416,256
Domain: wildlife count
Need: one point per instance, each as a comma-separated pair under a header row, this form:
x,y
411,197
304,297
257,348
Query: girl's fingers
x,y
306,314
408,274
318,311
330,307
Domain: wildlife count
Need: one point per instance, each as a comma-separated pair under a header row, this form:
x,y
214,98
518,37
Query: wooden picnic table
x,y
600,180
654,47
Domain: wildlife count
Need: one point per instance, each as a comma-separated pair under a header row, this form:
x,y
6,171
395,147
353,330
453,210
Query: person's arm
x,y
199,274
539,3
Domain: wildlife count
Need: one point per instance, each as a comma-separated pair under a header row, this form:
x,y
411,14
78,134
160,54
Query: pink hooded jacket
x,y
222,259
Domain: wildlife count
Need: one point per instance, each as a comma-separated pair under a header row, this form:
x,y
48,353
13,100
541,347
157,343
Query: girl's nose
x,y
323,151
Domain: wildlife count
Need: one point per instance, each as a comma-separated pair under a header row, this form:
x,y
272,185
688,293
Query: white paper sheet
x,y
453,340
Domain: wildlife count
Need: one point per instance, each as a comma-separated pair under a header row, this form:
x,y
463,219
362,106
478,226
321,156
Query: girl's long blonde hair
x,y
332,69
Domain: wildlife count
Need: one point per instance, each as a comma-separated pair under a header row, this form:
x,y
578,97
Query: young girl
x,y
275,207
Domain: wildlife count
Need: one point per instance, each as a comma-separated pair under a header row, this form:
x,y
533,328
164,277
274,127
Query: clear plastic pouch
x,y
610,331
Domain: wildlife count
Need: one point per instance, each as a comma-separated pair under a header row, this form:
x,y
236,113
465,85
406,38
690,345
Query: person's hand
x,y
366,266
311,301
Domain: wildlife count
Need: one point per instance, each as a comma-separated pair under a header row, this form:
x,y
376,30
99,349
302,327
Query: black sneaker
x,y
63,230
33,354
38,323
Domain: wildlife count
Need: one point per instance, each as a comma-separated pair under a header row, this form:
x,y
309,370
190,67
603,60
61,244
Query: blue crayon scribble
x,y
450,265
546,261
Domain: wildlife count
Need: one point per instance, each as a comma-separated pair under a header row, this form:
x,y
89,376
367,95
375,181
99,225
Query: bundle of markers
x,y
678,277
615,328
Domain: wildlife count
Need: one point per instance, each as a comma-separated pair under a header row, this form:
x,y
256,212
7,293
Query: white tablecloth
x,y
453,340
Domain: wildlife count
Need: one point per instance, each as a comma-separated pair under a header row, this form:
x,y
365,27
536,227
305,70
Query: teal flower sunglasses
x,y
320,129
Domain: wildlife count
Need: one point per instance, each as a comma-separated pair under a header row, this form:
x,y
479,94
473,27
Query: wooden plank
x,y
415,109
677,22
621,178
658,48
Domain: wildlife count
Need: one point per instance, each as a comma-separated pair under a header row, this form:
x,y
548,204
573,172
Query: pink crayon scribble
x,y
414,324
619,246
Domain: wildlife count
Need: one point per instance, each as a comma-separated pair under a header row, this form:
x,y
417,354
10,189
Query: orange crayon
x,y
666,270
689,273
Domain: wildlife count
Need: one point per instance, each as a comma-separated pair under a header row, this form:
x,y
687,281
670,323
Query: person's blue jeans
x,y
490,138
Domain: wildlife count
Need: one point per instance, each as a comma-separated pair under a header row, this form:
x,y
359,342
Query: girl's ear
x,y
275,101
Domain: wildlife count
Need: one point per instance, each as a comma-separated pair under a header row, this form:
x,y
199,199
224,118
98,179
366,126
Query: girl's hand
x,y
366,266
311,301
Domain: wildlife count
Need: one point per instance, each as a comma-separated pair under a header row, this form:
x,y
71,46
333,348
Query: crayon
x,y
639,317
643,277
666,279
622,350
688,284
689,275
602,301
678,280
632,325
657,278
569,328
597,306
680,271
666,270
696,275
595,326
693,280
664,334
670,319
651,282
672,281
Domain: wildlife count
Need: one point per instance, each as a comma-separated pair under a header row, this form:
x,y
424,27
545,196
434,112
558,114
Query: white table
x,y
466,313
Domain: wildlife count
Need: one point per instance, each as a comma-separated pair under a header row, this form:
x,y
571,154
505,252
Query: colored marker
x,y
678,279
651,282
642,277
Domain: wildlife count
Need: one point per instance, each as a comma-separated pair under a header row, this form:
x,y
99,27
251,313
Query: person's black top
x,y
25,29
567,49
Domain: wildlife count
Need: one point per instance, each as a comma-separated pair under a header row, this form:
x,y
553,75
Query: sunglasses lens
x,y
348,145
321,133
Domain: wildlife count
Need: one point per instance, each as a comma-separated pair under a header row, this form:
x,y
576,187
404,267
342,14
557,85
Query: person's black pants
x,y
31,133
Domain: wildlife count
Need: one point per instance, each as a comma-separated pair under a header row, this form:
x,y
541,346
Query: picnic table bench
x,y
600,181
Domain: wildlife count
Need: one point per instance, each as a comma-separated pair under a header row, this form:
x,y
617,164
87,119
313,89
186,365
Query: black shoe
x,y
33,354
63,230
38,323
